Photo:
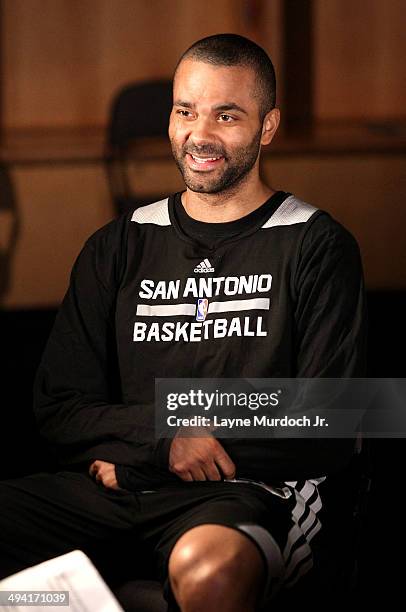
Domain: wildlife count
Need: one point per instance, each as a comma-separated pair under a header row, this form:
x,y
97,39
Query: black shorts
x,y
129,535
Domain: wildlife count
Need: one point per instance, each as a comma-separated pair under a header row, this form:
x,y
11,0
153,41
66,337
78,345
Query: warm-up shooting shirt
x,y
156,294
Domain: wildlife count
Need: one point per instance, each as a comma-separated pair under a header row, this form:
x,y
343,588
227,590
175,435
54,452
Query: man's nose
x,y
202,131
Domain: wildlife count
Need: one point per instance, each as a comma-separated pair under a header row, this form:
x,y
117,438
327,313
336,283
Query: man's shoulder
x,y
324,225
109,238
309,227
322,231
114,235
315,221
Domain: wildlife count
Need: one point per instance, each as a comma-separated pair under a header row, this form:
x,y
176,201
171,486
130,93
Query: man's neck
x,y
225,206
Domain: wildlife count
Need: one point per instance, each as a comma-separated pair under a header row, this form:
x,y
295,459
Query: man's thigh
x,y
46,515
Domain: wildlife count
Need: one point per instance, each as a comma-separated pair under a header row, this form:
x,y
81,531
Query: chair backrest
x,y
140,110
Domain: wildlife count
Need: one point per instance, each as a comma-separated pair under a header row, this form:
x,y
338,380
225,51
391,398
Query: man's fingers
x,y
200,459
186,476
225,464
204,471
93,469
104,473
198,473
212,472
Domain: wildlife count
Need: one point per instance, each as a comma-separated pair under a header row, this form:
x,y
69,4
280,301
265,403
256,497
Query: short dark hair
x,y
235,50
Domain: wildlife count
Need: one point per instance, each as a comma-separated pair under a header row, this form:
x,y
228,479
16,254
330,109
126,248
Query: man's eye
x,y
226,118
183,113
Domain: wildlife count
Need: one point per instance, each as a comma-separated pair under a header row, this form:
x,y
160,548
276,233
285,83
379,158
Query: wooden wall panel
x,y
51,62
360,59
63,59
58,209
363,193
270,37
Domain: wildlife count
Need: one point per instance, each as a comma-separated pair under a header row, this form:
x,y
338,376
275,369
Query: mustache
x,y
208,150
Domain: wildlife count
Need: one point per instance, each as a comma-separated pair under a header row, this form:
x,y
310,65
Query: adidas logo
x,y
204,266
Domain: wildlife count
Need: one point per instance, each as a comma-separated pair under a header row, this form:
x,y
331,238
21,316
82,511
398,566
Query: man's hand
x,y
104,473
195,458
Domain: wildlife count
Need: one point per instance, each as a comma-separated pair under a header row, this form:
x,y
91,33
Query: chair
x,y
140,110
337,549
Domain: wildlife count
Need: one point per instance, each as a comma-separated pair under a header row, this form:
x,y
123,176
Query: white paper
x,y
73,572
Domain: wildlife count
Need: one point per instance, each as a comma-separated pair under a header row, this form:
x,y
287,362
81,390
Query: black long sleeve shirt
x,y
129,316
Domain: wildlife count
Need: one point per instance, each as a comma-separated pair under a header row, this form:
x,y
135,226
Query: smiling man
x,y
222,114
227,279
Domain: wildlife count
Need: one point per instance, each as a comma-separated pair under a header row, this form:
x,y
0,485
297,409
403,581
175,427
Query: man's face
x,y
215,129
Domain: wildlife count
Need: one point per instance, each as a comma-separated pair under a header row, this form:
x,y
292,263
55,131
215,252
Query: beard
x,y
238,163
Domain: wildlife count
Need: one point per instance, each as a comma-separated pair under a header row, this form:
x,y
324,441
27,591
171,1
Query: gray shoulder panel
x,y
156,213
292,210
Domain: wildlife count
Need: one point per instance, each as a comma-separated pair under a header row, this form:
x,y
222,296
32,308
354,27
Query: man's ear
x,y
270,125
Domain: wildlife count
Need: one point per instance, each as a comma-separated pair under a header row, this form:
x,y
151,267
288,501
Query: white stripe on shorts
x,y
300,535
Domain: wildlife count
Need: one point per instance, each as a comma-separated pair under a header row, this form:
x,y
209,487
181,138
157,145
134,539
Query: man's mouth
x,y
198,162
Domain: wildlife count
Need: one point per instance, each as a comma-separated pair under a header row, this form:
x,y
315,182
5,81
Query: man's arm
x,y
190,459
77,397
330,341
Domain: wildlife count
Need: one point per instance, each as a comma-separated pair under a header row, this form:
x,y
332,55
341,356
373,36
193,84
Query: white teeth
x,y
202,160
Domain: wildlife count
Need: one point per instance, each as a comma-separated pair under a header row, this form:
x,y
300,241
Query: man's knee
x,y
215,564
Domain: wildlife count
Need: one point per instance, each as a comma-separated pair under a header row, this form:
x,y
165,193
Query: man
x,y
224,521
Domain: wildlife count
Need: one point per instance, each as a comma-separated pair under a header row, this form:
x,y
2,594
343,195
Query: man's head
x,y
235,50
224,110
